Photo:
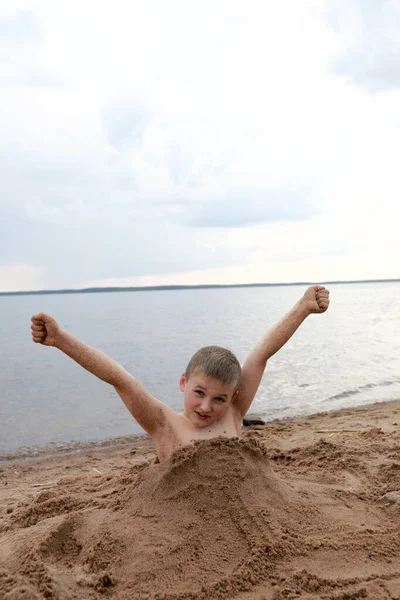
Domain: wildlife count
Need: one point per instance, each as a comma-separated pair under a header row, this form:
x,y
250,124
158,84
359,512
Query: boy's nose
x,y
205,406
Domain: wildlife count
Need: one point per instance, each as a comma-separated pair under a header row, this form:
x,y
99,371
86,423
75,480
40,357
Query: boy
x,y
217,391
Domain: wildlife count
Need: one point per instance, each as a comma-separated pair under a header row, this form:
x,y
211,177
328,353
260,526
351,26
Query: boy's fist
x,y
45,330
317,298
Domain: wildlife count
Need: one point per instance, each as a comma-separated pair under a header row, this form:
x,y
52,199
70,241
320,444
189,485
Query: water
x,y
346,357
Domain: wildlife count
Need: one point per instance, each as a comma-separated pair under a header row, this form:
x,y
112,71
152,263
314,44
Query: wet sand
x,y
307,508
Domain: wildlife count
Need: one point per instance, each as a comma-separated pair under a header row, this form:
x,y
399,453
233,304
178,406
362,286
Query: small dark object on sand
x,y
252,419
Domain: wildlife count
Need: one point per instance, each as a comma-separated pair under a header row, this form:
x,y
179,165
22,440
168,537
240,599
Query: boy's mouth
x,y
202,417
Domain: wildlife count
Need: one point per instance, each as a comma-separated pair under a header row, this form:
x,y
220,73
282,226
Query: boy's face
x,y
205,398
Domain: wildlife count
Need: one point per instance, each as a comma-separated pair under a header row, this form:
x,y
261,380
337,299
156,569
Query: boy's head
x,y
210,383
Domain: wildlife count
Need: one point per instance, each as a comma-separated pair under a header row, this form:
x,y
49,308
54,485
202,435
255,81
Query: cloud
x,y
241,208
370,36
20,38
19,276
125,124
93,249
20,27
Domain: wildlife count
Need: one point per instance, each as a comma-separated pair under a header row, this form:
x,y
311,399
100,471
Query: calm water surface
x,y
346,357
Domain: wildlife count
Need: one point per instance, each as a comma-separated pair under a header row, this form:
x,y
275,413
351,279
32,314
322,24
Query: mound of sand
x,y
216,521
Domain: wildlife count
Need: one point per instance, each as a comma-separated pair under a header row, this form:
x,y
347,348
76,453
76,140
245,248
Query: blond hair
x,y
216,362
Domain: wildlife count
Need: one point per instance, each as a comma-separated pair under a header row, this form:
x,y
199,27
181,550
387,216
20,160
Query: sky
x,y
186,142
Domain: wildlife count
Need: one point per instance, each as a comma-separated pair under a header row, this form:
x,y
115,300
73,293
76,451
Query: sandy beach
x,y
305,508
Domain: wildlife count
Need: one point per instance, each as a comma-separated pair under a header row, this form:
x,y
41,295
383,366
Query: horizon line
x,y
99,290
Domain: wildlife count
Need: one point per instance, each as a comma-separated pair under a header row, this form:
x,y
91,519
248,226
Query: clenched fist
x,y
45,330
317,299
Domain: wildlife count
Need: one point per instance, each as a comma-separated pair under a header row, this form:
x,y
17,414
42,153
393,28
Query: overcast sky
x,y
154,142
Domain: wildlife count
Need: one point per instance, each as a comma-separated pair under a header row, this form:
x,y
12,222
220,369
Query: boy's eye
x,y
220,399
199,392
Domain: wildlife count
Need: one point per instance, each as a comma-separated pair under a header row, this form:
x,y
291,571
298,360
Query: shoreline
x,y
55,449
26,453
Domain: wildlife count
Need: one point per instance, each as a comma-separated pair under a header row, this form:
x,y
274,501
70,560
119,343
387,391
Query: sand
x,y
305,508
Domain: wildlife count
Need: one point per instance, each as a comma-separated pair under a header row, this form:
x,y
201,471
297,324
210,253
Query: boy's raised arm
x,y
315,300
147,410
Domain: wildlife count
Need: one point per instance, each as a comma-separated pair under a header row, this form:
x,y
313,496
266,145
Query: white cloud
x,y
17,277
370,42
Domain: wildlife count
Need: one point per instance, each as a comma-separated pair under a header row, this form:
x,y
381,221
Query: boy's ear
x,y
182,382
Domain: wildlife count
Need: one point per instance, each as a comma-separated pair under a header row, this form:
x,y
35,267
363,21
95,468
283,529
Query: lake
x,y
345,357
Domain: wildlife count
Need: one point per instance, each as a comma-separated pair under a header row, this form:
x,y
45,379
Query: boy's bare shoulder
x,y
179,431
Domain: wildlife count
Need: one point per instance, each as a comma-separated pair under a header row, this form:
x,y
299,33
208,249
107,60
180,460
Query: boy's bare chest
x,y
181,432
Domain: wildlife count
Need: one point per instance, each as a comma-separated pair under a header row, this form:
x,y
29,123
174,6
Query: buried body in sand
x,y
212,519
